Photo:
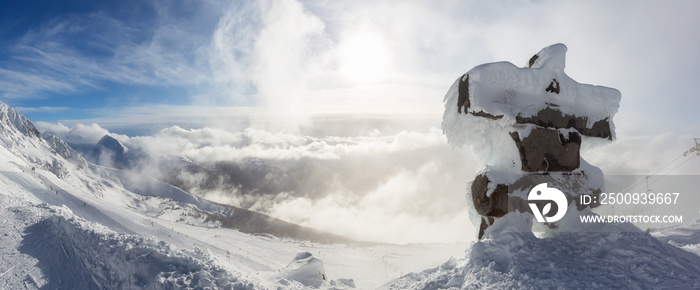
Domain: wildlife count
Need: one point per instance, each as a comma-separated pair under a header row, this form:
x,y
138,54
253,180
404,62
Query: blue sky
x,y
144,63
71,59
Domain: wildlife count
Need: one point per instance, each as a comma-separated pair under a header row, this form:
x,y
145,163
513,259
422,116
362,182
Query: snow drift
x,y
79,255
512,259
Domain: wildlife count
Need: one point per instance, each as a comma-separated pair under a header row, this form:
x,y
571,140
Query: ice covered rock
x,y
541,94
64,150
527,125
306,269
57,167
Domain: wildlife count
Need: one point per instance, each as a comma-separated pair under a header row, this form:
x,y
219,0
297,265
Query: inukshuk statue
x,y
526,126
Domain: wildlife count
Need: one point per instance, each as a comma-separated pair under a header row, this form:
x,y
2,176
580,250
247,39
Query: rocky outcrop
x,y
64,150
11,118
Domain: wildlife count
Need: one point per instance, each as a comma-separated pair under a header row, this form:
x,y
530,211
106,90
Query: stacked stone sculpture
x,y
526,126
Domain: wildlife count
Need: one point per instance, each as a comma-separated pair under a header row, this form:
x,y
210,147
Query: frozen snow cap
x,y
552,57
492,98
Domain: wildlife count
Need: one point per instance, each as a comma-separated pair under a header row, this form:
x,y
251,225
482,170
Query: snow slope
x,y
684,236
621,257
65,223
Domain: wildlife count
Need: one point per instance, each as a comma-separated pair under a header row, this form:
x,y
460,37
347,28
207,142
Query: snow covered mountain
x,y
67,223
13,120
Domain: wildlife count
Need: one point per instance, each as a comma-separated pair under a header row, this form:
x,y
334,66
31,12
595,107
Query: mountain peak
x,y
11,118
110,143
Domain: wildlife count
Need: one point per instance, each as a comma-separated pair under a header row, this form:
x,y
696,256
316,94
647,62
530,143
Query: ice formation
x,y
526,125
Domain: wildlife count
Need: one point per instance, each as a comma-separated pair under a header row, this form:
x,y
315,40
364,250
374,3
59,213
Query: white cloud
x,y
78,134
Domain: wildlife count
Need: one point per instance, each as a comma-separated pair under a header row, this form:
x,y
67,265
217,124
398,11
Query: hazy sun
x,y
363,58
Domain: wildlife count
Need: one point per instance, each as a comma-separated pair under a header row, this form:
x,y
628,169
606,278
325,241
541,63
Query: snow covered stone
x,y
541,94
306,269
527,122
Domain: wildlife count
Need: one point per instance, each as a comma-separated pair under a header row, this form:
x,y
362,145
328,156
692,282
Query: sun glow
x,y
363,58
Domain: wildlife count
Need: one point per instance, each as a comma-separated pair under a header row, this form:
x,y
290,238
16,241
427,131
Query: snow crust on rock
x,y
506,91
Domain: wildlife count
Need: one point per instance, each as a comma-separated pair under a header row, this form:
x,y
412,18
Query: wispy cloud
x,y
41,109
82,52
78,134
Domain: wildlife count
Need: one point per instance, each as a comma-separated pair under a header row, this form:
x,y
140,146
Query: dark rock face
x,y
548,150
463,101
553,87
532,60
553,118
489,204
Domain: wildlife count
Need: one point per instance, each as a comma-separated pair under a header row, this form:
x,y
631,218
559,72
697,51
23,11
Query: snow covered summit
x,y
11,119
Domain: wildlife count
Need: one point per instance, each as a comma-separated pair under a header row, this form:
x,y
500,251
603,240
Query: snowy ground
x,y
512,259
